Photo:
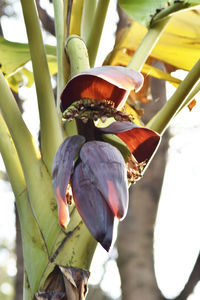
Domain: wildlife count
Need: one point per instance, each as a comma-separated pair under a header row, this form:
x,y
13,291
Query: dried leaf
x,y
66,283
192,104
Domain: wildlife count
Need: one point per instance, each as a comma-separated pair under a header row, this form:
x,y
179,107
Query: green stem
x,y
89,8
161,120
61,58
51,136
77,54
147,45
79,61
80,246
27,151
96,31
175,7
38,180
33,244
191,95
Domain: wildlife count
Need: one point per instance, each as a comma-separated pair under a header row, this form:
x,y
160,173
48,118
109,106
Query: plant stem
x,y
80,246
27,151
78,56
191,95
34,248
175,7
96,30
11,160
51,136
79,61
37,178
161,120
89,8
61,58
147,45
75,17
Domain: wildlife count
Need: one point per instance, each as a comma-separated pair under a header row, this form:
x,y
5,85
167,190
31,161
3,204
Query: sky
x,y
177,241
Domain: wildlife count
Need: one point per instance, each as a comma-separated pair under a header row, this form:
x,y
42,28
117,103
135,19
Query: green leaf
x,y
145,11
178,46
15,55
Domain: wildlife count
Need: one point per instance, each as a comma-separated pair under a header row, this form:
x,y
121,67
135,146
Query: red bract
x,y
142,142
107,82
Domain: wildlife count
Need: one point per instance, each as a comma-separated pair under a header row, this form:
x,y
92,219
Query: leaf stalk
x,y
61,57
145,48
161,120
51,135
34,248
96,31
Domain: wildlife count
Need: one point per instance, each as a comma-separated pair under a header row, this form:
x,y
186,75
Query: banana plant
x,y
72,190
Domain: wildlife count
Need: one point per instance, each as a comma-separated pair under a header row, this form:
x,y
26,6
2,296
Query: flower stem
x,y
80,245
147,45
61,58
51,136
77,53
96,31
161,120
79,61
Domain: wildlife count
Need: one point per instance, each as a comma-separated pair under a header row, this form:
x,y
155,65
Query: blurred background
x,y
156,255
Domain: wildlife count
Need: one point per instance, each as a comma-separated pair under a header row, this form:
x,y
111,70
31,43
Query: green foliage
x,y
13,57
146,12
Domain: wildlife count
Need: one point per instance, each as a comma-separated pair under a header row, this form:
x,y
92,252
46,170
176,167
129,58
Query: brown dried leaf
x,y
192,104
66,283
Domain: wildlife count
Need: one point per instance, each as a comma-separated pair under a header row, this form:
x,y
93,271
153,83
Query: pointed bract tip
x,y
92,207
64,162
106,170
63,212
